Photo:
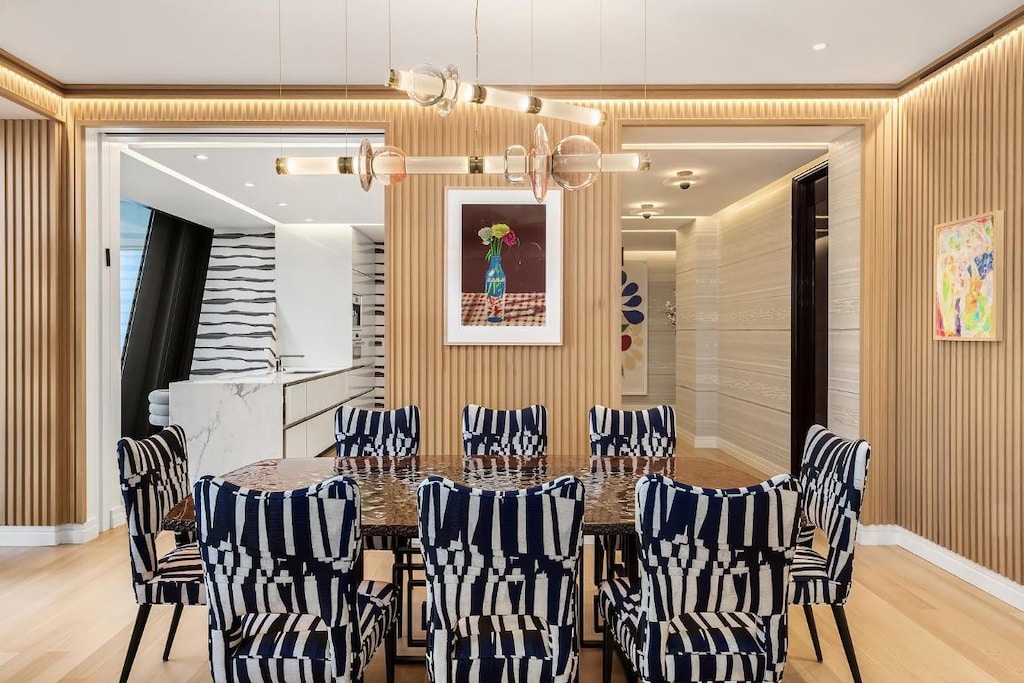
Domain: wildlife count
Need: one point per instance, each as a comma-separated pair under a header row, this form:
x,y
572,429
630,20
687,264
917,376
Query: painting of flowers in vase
x,y
506,251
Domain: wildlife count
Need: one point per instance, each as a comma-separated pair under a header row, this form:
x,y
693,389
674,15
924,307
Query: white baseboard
x,y
983,578
117,517
705,442
59,534
684,436
765,467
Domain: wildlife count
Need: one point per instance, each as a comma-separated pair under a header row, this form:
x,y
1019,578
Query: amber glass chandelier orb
x,y
540,163
388,165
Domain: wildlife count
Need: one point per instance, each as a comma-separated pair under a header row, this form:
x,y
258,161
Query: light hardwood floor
x,y
66,614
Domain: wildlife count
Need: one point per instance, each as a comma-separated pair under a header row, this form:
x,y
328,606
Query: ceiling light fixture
x,y
282,203
818,47
249,184
646,211
573,164
429,86
682,179
200,157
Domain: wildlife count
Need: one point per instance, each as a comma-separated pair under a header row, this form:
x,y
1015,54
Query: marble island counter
x,y
233,419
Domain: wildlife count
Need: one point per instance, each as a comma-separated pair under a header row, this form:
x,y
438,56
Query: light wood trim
x,y
961,466
20,84
37,452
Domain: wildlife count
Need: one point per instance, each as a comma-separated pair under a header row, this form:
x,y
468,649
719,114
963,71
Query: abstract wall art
x,y
968,276
634,328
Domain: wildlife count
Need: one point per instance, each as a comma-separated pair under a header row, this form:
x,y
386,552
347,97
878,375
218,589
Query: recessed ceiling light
x,y
249,184
282,203
200,157
308,220
819,46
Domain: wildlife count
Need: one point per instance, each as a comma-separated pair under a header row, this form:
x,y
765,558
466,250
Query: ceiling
x,y
692,42
729,163
10,110
162,171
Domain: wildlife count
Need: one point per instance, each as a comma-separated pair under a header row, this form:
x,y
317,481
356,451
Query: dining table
x,y
387,484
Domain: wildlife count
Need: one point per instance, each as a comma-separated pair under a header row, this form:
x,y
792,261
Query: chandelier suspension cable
x,y
280,77
476,76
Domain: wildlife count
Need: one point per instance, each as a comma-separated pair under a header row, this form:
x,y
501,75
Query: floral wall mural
x,y
634,328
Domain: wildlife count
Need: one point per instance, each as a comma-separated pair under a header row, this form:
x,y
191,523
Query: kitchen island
x,y
233,419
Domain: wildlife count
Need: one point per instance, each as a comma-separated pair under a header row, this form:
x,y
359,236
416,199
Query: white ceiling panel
x,y
11,110
521,41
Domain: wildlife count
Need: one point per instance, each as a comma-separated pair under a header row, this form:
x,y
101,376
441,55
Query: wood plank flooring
x,y
66,614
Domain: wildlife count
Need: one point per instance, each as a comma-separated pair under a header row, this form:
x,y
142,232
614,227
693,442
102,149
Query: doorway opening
x,y
809,363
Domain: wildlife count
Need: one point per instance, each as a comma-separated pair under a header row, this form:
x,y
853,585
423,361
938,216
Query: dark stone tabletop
x,y
387,484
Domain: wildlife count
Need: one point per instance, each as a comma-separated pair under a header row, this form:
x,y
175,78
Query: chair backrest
x,y
496,553
360,432
281,552
713,550
650,432
154,478
833,475
486,431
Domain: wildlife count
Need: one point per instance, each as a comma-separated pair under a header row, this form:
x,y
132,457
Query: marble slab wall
x,y
238,323
844,182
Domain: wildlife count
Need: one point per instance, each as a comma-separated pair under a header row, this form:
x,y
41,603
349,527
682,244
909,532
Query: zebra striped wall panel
x,y
238,323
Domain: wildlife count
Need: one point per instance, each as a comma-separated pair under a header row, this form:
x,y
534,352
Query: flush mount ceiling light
x,y
572,164
646,211
682,179
200,157
429,86
818,47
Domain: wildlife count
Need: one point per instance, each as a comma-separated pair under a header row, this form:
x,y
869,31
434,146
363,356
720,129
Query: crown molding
x,y
26,70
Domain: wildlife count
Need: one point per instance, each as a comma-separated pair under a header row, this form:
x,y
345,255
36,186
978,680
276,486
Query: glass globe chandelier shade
x,y
573,164
430,86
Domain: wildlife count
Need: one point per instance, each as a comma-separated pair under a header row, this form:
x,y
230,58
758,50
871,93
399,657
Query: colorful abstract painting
x,y
968,275
634,328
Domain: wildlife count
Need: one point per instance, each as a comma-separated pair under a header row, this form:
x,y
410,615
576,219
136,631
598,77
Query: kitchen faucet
x,y
286,355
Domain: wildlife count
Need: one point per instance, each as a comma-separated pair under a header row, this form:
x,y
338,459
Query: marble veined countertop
x,y
284,377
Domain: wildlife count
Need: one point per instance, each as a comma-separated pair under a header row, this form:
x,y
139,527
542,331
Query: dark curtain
x,y
165,316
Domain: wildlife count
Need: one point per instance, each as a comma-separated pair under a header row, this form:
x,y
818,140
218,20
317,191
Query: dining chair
x,y
392,433
360,432
710,603
645,433
154,478
283,597
648,433
501,581
487,431
833,475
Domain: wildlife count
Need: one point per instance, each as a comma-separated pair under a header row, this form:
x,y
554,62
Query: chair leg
x,y
844,633
390,651
133,644
174,629
809,613
606,656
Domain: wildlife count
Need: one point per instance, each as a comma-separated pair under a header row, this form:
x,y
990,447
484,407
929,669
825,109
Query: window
x,y
134,228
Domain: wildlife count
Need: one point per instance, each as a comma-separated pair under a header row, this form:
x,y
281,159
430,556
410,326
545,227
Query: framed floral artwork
x,y
968,279
503,267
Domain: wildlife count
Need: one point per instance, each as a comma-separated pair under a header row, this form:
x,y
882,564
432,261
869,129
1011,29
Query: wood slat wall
x,y
960,404
37,458
420,368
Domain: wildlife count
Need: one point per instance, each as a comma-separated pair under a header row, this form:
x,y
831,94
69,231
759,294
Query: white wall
x,y
314,295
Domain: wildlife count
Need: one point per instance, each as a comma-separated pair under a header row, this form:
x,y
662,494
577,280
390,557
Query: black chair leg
x,y
174,629
809,613
606,656
390,651
133,645
844,633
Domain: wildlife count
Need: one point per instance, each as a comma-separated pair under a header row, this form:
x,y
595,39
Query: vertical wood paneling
x,y
959,405
34,327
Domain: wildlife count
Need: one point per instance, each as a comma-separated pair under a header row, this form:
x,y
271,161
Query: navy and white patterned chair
x,y
154,478
711,601
284,600
646,433
486,431
833,475
501,581
360,432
